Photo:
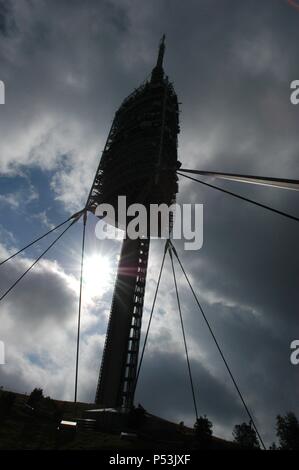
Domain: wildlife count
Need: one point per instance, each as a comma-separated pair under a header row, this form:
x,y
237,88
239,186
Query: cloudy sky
x,y
66,67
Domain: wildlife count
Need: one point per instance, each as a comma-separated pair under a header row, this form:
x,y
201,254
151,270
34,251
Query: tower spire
x,y
158,72
161,52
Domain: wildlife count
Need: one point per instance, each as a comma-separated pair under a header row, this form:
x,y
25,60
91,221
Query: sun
x,y
97,275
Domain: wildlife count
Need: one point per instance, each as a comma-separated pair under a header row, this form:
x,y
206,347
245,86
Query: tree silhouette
x,y
245,436
203,430
136,417
287,431
35,397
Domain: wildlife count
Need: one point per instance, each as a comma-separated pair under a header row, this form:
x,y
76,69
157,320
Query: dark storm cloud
x,y
46,281
7,24
67,67
171,393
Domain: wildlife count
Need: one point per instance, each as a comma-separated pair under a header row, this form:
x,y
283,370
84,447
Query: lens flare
x,y
97,275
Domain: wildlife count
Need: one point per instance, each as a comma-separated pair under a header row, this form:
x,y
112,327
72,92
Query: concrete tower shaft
x,y
120,356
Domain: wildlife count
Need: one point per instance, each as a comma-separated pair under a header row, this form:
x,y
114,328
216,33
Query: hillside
x,y
21,427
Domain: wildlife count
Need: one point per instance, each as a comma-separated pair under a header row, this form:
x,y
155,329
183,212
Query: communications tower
x,y
139,161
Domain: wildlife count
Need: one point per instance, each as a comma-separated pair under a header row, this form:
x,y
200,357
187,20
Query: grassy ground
x,y
23,429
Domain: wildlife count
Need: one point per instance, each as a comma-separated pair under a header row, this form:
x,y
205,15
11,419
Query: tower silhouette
x,y
139,161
